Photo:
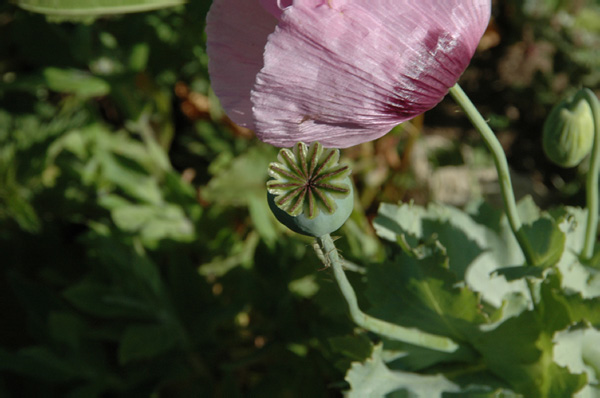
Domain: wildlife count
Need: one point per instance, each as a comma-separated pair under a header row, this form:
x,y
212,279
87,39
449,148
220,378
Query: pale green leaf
x,y
477,244
519,351
425,294
579,350
244,177
263,219
74,81
154,223
373,379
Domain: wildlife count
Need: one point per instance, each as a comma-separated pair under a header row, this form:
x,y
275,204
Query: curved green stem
x,y
591,229
388,329
501,164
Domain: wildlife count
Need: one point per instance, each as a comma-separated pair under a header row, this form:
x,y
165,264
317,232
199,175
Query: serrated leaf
x,y
578,349
373,379
519,272
94,7
475,249
423,293
581,309
519,351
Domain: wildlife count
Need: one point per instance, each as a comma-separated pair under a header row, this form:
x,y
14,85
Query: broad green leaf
x,y
245,177
519,351
132,181
528,211
94,7
356,348
241,255
581,309
146,341
411,358
576,276
477,244
546,241
423,293
578,349
263,219
520,272
154,223
73,81
374,379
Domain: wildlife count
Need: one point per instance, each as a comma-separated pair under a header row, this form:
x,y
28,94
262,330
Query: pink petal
x,y
344,72
237,32
276,7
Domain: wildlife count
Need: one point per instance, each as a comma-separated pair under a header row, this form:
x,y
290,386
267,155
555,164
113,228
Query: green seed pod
x,y
568,133
309,191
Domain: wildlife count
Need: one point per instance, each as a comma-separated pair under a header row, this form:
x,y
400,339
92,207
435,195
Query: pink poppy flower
x,y
340,72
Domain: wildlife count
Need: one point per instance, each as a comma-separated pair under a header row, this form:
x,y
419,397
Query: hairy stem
x,y
591,229
387,329
501,164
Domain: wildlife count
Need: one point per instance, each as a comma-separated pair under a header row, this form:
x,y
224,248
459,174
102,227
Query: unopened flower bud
x,y
569,131
309,191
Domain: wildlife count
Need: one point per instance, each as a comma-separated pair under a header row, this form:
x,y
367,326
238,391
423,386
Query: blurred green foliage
x,y
139,257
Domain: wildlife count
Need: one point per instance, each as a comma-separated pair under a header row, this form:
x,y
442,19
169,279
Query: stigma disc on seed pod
x,y
309,191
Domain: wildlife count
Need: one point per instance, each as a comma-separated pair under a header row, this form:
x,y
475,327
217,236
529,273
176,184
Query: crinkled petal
x,y
344,72
237,32
276,7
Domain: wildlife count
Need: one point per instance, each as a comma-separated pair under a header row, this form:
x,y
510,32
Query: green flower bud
x,y
568,133
309,191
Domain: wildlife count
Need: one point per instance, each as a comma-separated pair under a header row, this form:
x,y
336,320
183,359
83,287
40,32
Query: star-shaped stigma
x,y
308,179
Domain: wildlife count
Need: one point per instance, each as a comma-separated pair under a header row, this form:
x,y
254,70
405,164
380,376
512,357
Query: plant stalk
x,y
591,230
501,164
384,328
